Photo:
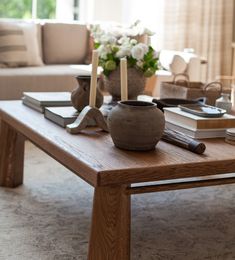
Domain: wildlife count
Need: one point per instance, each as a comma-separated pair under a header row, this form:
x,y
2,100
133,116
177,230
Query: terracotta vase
x,y
80,95
136,83
136,125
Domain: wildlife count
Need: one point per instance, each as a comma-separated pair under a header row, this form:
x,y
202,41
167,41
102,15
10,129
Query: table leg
x,y
11,156
110,228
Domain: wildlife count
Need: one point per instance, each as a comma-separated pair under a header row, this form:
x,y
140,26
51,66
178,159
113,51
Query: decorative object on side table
x,y
141,58
174,102
184,141
184,88
136,125
80,95
89,112
224,102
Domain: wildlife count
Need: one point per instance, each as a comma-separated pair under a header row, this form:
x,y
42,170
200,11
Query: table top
x,y
93,156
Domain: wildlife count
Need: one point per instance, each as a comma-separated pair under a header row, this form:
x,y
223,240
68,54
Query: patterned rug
x,y
48,218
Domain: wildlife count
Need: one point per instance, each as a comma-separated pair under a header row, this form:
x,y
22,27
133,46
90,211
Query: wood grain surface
x,y
11,156
93,156
110,230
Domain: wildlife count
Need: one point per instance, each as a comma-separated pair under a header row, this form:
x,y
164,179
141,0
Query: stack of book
x,y
230,136
40,100
196,126
57,106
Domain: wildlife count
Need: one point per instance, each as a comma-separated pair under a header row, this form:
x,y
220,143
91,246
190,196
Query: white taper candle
x,y
95,61
124,91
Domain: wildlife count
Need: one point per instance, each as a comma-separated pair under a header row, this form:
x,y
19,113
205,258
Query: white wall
x,y
101,10
64,10
108,10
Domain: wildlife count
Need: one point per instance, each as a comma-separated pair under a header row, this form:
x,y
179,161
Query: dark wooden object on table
x,y
176,138
111,171
84,119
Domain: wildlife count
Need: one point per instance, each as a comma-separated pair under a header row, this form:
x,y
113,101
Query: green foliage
x,y
131,61
15,8
46,9
23,9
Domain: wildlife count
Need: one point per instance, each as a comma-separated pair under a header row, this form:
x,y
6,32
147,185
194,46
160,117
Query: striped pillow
x,y
19,45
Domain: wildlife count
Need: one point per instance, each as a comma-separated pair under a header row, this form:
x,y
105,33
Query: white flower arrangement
x,y
112,45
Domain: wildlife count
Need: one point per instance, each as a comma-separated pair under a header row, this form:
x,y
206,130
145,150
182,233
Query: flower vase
x,y
80,95
136,83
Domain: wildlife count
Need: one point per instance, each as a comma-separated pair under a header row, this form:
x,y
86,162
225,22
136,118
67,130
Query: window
x,y
67,10
26,9
76,10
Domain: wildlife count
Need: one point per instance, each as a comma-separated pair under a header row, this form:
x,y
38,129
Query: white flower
x,y
119,42
148,32
103,50
104,39
112,39
124,40
123,52
133,42
107,38
140,64
139,50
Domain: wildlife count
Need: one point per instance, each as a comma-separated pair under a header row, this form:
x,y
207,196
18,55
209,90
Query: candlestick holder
x,y
87,114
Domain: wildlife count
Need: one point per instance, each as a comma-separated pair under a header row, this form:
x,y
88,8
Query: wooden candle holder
x,y
90,112
85,117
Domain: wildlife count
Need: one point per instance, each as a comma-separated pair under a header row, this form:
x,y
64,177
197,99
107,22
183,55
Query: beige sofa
x,y
46,56
41,57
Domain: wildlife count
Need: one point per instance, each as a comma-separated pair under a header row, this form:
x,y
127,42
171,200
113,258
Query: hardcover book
x,y
199,133
32,105
40,100
61,115
176,116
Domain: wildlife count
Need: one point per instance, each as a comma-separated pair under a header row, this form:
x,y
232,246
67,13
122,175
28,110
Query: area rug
x,y
48,218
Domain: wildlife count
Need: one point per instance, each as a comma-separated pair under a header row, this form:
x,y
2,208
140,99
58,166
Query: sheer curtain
x,y
206,26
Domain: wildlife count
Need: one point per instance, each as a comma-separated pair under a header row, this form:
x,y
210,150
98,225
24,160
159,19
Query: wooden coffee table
x,y
112,172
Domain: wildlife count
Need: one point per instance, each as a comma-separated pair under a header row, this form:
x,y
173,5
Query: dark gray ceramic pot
x,y
136,125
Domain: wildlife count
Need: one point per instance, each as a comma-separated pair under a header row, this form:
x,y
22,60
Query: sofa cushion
x,y
65,43
14,81
19,44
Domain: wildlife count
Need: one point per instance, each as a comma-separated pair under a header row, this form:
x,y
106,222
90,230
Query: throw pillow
x,y
19,44
65,43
